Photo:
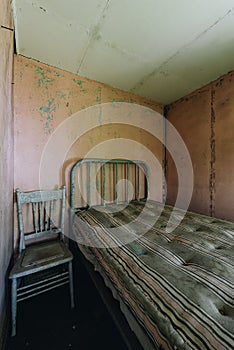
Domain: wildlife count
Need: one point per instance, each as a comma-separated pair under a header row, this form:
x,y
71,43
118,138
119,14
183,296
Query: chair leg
x,y
71,284
13,306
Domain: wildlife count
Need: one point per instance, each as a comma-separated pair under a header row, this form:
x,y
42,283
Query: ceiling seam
x,y
92,35
156,70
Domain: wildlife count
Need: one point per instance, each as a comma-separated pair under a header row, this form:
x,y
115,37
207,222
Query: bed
x,y
174,288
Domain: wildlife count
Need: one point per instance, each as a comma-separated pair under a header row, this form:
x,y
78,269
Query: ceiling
x,y
159,49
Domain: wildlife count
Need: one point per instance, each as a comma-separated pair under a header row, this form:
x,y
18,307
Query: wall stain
x,y
43,9
95,32
118,100
219,83
91,141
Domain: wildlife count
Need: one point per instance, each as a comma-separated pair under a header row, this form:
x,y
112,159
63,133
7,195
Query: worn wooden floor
x,y
47,322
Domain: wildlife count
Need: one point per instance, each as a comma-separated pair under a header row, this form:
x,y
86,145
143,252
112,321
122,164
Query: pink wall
x,y
47,99
6,156
205,120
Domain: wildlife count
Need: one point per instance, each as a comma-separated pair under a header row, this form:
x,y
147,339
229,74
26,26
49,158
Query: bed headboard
x,y
102,181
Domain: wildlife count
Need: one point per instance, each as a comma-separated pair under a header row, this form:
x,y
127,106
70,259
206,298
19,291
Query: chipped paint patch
x,y
60,94
80,83
47,115
58,74
44,79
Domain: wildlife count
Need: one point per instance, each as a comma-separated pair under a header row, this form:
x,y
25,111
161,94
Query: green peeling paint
x,y
79,82
59,74
60,94
46,113
44,79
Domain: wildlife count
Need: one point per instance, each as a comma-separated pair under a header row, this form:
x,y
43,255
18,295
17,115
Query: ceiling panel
x,y
160,49
212,55
111,65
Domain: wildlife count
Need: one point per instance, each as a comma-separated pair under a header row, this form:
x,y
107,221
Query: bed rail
x,y
102,176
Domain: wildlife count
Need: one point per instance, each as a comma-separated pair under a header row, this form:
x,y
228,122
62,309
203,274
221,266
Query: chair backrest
x,y
40,215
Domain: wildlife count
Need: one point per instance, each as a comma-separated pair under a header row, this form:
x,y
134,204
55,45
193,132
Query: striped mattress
x,y
179,285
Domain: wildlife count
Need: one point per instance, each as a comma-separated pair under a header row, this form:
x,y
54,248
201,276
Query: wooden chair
x,y
44,261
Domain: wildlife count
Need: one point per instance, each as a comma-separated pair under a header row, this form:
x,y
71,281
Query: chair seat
x,y
41,256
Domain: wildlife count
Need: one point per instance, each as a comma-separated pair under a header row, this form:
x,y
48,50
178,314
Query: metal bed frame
x,y
111,304
199,251
116,163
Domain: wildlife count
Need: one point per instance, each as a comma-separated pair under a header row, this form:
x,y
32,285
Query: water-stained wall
x,y
6,156
205,121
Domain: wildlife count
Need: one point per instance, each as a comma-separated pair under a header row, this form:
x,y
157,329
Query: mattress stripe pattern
x,y
179,285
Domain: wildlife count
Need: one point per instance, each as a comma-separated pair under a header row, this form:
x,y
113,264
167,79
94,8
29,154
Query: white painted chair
x,y
44,261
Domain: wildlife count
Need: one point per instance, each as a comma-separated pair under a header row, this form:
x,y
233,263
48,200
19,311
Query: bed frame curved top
x,y
98,172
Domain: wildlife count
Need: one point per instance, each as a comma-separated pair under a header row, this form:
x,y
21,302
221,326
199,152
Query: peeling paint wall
x,y
205,121
44,98
6,156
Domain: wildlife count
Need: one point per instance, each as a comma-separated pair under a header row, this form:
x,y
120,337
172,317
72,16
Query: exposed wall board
x,y
191,117
6,156
6,14
204,119
223,105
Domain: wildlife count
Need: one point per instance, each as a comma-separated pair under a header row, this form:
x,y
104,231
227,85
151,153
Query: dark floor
x,y
47,322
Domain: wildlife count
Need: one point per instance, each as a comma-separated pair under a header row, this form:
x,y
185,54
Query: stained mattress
x,y
178,284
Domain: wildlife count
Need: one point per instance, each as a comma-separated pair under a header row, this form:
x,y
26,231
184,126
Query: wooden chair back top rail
x,y
40,196
40,213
